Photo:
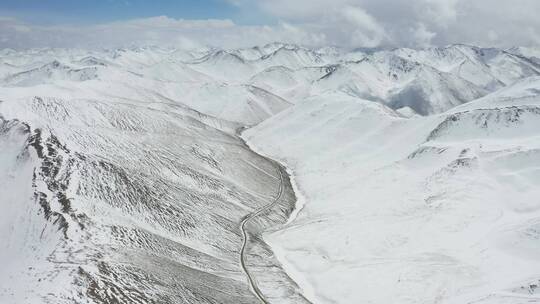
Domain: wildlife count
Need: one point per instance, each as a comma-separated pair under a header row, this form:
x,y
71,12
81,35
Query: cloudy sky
x,y
239,23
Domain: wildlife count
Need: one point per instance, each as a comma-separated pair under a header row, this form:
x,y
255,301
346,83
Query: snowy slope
x,y
134,76
489,68
532,53
439,209
51,72
133,204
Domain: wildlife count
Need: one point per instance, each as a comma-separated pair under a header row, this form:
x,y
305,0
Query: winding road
x,y
245,238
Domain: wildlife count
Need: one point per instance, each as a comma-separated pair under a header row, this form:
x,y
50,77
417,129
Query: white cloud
x,y
442,12
302,10
422,36
416,22
367,31
349,23
151,31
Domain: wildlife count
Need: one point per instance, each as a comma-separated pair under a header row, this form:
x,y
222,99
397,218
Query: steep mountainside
x,y
121,203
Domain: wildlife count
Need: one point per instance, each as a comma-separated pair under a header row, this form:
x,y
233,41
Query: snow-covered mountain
x,y
405,175
437,209
50,72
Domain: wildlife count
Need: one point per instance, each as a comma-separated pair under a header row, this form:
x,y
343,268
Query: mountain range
x,y
273,174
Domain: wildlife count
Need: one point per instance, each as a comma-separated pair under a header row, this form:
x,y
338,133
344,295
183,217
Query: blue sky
x,y
98,11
